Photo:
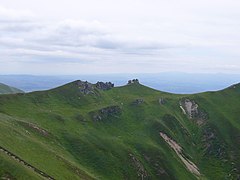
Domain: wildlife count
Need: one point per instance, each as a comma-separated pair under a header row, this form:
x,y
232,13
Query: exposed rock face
x,y
179,151
88,88
111,111
162,101
104,86
85,87
138,101
141,172
191,109
134,81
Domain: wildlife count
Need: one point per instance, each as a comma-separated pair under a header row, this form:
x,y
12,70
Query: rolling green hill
x,y
5,89
93,131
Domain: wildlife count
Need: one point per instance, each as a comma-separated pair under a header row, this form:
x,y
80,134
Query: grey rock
x,y
104,86
134,81
190,107
192,110
85,87
110,111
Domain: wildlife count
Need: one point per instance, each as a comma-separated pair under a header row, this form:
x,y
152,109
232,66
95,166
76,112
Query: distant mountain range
x,y
180,83
96,131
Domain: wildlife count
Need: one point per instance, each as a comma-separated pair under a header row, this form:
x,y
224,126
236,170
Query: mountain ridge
x,y
116,133
5,89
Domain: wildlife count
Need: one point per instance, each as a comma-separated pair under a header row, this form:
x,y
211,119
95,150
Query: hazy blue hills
x,y
181,83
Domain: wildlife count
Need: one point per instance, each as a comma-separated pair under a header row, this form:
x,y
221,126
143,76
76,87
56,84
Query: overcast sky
x,y
124,36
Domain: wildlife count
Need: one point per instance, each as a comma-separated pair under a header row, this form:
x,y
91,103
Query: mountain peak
x,y
88,88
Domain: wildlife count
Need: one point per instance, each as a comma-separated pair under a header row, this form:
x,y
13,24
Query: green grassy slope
x,y
4,89
112,135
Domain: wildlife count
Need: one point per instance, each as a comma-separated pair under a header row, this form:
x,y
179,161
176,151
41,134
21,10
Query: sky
x,y
51,37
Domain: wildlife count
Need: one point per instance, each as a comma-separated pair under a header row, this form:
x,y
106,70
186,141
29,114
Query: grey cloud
x,y
182,43
70,38
18,27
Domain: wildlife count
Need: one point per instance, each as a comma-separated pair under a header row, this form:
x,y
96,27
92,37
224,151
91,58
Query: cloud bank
x,y
30,44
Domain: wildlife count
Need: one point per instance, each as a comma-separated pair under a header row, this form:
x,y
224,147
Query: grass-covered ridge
x,y
78,131
5,89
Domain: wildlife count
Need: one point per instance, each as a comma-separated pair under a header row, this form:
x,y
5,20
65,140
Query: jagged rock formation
x,y
105,113
88,88
192,110
190,107
104,86
85,87
134,81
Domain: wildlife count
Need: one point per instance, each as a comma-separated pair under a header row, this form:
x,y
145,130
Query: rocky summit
x,y
104,86
134,81
88,88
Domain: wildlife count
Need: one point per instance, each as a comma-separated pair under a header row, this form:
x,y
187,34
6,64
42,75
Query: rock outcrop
x,y
190,107
85,87
88,88
104,86
107,112
134,81
192,110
